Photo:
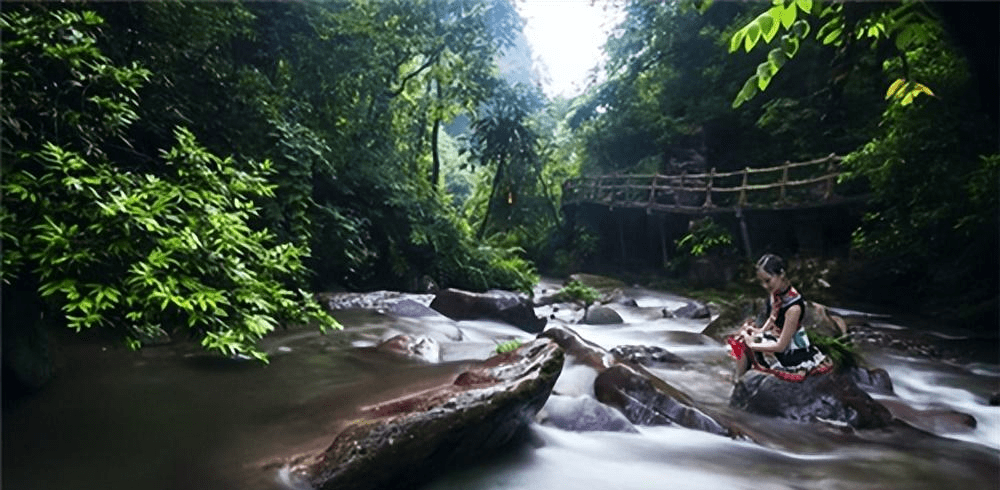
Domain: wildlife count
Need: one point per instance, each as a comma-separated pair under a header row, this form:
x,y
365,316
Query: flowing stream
x,y
173,417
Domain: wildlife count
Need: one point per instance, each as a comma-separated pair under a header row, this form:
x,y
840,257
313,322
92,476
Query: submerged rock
x,y
420,347
505,306
933,420
583,414
407,441
828,397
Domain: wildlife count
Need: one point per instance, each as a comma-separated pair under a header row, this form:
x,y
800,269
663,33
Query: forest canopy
x,y
204,168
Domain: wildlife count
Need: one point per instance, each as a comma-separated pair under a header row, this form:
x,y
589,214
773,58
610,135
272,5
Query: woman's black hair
x,y
771,264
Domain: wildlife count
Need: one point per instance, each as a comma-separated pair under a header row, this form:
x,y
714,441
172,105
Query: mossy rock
x,y
731,316
817,319
600,283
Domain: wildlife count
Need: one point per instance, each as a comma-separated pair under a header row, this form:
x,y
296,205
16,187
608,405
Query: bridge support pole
x,y
663,240
743,231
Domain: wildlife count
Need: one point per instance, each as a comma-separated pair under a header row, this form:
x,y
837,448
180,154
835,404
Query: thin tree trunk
x,y
493,191
550,199
436,158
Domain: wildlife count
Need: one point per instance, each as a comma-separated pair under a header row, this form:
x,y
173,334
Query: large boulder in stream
x,y
642,397
648,400
505,306
832,397
404,442
602,315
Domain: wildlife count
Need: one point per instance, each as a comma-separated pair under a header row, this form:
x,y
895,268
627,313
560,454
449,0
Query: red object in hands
x,y
739,347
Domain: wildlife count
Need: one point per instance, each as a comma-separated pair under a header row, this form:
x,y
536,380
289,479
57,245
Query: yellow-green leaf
x,y
833,37
738,37
788,15
769,23
753,35
894,87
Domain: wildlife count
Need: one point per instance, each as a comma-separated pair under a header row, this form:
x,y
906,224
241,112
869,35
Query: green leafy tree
x,y
929,158
141,249
889,28
503,140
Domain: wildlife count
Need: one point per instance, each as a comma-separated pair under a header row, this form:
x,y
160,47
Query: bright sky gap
x,y
567,36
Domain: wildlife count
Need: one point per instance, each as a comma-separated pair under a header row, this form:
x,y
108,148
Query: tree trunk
x,y
489,203
436,158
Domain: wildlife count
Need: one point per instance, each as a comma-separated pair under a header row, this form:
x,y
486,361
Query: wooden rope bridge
x,y
788,186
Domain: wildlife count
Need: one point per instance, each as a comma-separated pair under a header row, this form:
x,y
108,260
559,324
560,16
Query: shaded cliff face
x,y
413,438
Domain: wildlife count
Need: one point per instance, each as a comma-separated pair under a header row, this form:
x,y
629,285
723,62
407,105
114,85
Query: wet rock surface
x,y
602,315
871,380
403,442
579,349
932,420
828,397
692,310
583,414
647,400
649,356
505,306
640,396
417,347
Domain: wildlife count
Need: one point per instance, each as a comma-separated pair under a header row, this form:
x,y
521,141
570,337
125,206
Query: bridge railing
x,y
787,185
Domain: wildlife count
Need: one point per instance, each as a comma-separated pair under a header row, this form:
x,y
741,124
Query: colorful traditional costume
x,y
799,359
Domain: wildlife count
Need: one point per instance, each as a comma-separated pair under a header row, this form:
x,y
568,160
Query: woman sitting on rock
x,y
779,346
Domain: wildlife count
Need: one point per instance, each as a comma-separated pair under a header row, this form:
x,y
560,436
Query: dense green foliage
x,y
140,248
704,236
117,210
881,83
195,167
901,27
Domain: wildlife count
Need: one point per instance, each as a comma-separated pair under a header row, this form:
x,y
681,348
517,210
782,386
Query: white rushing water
x,y
172,418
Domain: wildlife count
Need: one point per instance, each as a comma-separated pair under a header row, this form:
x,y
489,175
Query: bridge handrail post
x,y
743,187
652,192
708,189
680,188
830,177
784,181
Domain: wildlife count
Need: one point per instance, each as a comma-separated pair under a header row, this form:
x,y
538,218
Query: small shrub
x,y
508,346
843,354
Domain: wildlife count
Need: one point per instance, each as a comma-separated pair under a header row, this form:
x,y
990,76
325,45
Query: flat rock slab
x,y
404,442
